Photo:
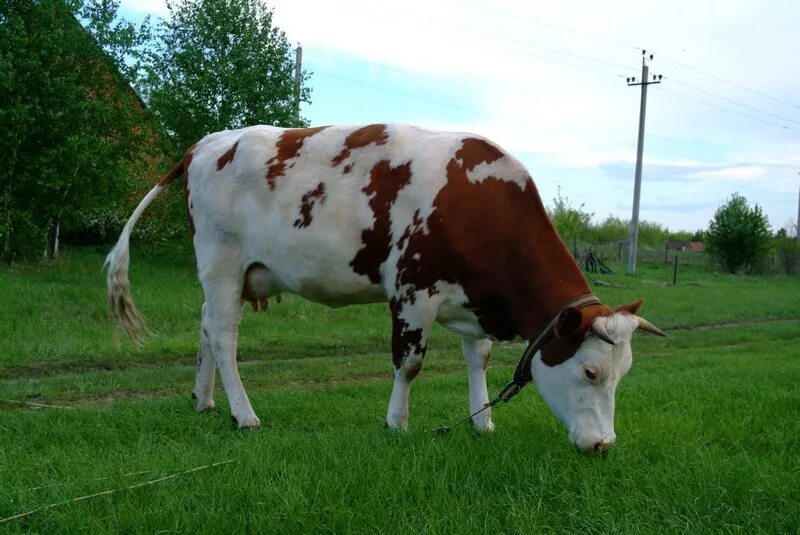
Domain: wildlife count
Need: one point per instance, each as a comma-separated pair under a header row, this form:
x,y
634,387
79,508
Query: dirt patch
x,y
728,324
60,402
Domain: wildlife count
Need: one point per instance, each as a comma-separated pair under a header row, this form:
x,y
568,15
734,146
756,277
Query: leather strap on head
x,y
522,375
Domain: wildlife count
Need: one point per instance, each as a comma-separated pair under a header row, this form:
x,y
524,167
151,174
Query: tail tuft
x,y
119,294
119,286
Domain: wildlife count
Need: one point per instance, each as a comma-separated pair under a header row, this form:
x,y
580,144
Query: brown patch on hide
x,y
373,133
415,226
384,185
227,156
412,372
565,343
307,205
288,147
495,240
405,341
476,151
179,169
182,168
176,171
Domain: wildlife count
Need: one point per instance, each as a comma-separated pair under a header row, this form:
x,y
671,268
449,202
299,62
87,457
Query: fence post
x,y
675,271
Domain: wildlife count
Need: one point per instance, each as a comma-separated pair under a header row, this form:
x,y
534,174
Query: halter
x,y
523,375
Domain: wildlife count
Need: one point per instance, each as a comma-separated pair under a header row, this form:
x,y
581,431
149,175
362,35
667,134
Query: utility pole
x,y
637,187
298,79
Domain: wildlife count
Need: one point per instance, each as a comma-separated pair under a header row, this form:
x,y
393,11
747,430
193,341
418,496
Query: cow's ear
x,y
569,323
630,307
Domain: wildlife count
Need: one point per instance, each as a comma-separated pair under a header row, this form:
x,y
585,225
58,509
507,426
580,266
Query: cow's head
x,y
578,371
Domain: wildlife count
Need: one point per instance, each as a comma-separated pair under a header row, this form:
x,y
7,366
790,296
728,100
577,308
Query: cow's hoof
x,y
483,425
205,406
396,424
247,422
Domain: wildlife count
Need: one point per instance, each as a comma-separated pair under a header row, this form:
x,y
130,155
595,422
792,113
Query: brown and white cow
x,y
446,227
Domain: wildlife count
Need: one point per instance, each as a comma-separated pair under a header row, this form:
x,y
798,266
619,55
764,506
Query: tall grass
x,y
708,418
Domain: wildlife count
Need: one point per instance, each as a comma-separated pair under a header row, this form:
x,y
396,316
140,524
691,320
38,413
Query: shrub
x,y
739,238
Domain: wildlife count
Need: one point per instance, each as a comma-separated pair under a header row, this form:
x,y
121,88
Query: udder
x,y
259,284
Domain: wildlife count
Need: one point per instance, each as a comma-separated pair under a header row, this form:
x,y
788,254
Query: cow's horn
x,y
645,325
599,329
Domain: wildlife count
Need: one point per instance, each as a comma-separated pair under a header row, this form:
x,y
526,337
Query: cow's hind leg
x,y
411,326
477,354
221,323
203,391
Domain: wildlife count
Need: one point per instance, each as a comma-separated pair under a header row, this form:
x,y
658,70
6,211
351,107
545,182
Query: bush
x,y
739,238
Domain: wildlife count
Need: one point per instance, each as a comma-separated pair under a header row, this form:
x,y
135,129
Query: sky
x,y
547,82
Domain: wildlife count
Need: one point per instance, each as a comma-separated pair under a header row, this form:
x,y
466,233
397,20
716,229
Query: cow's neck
x,y
553,279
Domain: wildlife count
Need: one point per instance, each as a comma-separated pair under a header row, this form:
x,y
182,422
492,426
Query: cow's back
x,y
327,210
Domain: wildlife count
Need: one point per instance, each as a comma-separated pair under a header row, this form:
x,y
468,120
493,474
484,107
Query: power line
x,y
732,101
550,26
529,44
386,67
628,45
743,88
579,56
545,58
684,142
728,110
391,90
416,19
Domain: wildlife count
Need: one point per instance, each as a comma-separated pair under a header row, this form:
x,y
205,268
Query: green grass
x,y
708,419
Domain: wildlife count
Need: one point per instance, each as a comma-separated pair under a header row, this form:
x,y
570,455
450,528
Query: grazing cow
x,y
444,226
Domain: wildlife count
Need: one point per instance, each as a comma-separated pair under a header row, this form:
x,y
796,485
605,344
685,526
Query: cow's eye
x,y
590,374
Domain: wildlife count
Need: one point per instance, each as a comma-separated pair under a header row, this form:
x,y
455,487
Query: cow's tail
x,y
118,260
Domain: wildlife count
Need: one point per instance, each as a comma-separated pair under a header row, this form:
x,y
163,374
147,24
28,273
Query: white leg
x,y
204,382
221,322
477,354
411,326
397,414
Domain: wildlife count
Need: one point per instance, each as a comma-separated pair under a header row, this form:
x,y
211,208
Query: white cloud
x,y
535,92
731,173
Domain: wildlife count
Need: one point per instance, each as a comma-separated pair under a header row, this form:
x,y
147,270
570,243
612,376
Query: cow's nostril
x,y
603,447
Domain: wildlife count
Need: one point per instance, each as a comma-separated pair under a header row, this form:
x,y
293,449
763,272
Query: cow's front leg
x,y
221,323
411,326
203,391
477,354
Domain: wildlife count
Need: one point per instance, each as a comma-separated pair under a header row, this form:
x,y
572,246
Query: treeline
x,y
651,234
576,227
94,108
739,238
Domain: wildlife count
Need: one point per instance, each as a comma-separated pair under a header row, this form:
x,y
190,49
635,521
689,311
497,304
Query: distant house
x,y
675,245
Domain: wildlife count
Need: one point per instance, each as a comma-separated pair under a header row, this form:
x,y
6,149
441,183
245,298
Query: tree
x,y
221,64
739,238
680,235
652,234
612,229
570,222
68,118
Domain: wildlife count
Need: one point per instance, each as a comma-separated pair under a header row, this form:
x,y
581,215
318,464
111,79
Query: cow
x,y
447,227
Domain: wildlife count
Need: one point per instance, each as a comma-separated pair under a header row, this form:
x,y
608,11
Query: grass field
x,y
708,420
